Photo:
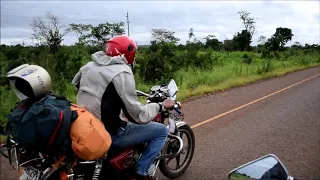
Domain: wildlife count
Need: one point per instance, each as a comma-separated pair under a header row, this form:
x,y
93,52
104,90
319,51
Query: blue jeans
x,y
153,133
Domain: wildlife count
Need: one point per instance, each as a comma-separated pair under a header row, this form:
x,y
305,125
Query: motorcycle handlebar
x,y
177,110
140,93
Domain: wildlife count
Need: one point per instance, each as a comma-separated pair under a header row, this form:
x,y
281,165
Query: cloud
x,y
220,18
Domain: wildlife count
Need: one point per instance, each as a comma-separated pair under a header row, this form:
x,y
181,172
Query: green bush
x,y
247,59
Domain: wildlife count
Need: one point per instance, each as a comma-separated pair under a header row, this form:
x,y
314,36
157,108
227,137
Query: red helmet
x,y
121,45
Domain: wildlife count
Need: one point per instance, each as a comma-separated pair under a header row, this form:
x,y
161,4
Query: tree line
x,y
155,62
49,32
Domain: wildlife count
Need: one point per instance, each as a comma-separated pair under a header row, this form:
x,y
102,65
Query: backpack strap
x,y
56,129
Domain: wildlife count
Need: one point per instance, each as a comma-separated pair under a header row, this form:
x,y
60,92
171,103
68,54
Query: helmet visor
x,y
19,94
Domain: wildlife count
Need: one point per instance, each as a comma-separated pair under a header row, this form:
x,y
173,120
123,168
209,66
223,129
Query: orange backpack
x,y
90,139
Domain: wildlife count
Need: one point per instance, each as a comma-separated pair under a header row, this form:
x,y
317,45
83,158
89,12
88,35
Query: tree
x,y
193,45
191,34
248,22
163,35
243,40
312,47
79,29
3,69
97,35
230,45
283,35
296,45
279,39
48,32
262,40
209,37
212,42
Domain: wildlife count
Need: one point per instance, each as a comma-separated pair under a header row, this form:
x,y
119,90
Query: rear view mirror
x,y
265,168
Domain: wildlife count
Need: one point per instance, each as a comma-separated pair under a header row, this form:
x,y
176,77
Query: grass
x,y
233,73
185,93
235,176
196,83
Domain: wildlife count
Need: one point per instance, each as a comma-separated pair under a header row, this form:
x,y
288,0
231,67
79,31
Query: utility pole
x,y
128,23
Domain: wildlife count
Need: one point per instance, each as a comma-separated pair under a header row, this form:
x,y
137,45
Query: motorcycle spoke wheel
x,y
181,162
178,162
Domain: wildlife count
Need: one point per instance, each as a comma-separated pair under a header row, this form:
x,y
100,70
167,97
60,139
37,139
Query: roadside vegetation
x,y
198,67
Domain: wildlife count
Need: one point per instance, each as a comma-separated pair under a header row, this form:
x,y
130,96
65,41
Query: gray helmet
x,y
30,81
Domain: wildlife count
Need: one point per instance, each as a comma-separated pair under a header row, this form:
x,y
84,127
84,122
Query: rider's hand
x,y
168,103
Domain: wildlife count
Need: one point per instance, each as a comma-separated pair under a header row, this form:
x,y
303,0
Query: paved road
x,y
286,124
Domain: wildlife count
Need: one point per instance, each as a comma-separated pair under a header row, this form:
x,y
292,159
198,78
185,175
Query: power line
x,y
128,23
103,15
6,16
31,10
78,13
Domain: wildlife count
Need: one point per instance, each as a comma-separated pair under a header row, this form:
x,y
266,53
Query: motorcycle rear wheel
x,y
163,165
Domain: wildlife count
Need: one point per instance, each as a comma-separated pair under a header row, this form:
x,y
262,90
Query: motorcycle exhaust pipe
x,y
174,154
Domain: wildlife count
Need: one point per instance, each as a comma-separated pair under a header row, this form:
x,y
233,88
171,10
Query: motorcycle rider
x,y
106,85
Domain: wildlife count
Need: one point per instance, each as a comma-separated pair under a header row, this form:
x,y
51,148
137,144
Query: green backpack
x,y
42,125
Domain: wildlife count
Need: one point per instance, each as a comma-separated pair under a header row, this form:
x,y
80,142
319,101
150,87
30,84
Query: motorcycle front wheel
x,y
172,147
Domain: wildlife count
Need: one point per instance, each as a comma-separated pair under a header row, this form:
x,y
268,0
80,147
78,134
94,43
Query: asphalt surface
x,y
286,124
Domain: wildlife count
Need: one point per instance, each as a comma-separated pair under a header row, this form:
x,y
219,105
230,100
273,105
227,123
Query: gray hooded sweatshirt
x,y
106,85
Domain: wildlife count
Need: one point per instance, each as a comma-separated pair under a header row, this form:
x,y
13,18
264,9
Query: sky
x,y
219,18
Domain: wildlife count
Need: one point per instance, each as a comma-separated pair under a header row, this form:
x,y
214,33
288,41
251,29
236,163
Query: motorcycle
x,y
117,163
267,167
